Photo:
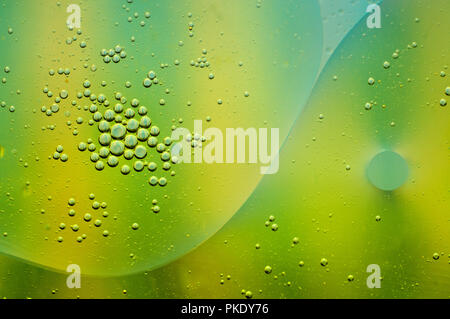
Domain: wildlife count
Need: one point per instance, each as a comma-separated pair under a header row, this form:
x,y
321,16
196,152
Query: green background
x,y
306,66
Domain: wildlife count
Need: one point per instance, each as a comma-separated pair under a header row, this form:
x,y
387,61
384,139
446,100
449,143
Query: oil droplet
x,y
268,269
387,171
125,169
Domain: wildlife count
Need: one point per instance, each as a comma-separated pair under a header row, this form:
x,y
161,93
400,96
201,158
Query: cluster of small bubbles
x,y
136,15
202,62
123,137
150,79
59,154
114,55
270,221
155,208
191,28
87,217
395,55
443,101
60,71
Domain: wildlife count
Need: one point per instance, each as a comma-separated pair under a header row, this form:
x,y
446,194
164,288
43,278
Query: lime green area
x,y
317,224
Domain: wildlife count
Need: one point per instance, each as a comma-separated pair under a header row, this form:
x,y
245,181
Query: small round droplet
x,y
268,269
125,169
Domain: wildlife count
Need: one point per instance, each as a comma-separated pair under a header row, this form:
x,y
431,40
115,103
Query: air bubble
x,y
268,269
138,166
140,151
82,146
118,131
125,169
